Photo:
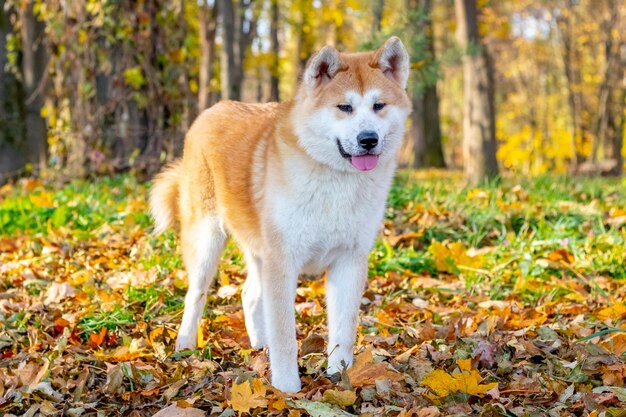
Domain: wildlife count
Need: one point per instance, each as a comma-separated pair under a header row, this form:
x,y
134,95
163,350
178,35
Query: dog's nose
x,y
368,139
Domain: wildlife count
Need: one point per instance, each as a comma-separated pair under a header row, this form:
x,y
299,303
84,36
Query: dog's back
x,y
216,164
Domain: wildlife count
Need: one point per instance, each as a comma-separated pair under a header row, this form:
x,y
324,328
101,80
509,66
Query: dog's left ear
x,y
393,60
322,67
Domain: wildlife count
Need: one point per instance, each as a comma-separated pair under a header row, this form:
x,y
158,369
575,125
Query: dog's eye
x,y
378,106
346,108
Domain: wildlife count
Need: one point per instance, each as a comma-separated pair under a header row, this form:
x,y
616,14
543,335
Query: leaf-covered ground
x,y
507,300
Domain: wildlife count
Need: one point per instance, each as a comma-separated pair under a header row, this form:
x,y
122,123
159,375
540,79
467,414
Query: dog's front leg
x,y
279,282
344,289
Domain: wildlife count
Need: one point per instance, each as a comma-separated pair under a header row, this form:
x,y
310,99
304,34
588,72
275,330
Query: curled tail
x,y
164,197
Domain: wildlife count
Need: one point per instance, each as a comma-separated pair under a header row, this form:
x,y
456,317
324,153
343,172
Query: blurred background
x,y
105,86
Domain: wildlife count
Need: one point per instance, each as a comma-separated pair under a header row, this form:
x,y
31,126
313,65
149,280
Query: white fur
x,y
318,134
208,239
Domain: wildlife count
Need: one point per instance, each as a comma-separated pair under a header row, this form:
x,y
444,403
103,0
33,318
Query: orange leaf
x,y
561,255
365,372
96,339
616,343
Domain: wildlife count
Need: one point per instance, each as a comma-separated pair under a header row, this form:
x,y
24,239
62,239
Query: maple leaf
x,y
467,381
248,395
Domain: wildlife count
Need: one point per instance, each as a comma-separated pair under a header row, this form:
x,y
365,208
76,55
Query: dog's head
x,y
351,109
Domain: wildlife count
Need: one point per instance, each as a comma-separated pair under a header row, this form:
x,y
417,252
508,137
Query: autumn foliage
x,y
505,300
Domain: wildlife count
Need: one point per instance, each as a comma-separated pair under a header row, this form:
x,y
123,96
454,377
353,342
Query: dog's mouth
x,y
364,162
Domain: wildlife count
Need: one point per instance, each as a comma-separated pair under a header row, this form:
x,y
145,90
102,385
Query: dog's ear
x,y
393,60
322,67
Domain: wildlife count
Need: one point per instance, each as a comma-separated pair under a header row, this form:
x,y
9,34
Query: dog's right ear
x,y
322,67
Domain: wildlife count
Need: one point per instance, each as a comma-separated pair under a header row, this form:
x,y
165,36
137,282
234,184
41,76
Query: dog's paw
x,y
336,364
185,343
256,340
288,385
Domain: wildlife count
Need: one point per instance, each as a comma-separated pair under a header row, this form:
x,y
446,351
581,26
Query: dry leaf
x,y
365,372
248,395
176,411
341,398
58,292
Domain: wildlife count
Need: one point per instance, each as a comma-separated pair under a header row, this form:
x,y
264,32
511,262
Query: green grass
x,y
522,221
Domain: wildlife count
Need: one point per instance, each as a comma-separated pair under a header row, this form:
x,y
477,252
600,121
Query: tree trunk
x,y
11,155
564,24
426,129
230,89
377,10
207,29
479,142
305,40
34,62
275,47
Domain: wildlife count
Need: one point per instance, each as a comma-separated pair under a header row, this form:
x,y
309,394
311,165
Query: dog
x,y
301,186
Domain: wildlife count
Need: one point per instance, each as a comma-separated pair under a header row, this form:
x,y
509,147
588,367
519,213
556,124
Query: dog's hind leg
x,y
253,302
202,245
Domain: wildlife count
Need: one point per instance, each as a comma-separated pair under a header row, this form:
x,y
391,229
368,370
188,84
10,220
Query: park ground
x,y
502,300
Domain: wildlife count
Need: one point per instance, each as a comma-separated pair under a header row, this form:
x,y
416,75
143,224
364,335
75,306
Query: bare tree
x,y
479,142
378,9
34,62
239,30
426,128
565,23
207,30
11,128
275,47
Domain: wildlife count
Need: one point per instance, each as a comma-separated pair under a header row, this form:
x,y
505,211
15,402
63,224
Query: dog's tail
x,y
164,197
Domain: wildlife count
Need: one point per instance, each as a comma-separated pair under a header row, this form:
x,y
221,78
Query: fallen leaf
x,y
96,339
467,381
314,343
248,395
614,312
176,411
58,292
429,412
341,398
365,372
619,391
319,409
561,254
616,343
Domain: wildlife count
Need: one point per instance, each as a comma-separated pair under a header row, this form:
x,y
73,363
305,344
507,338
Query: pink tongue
x,y
364,162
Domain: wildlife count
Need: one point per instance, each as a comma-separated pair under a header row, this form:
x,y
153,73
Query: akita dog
x,y
301,186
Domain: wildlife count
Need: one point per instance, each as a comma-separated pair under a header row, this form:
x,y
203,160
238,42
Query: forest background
x,y
101,86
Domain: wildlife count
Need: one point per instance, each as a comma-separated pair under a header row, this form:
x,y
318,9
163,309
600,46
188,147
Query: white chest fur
x,y
320,212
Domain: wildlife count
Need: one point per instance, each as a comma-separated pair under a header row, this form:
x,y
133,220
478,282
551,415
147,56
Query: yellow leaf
x,y
465,364
615,312
449,256
468,381
246,396
341,398
42,200
200,339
